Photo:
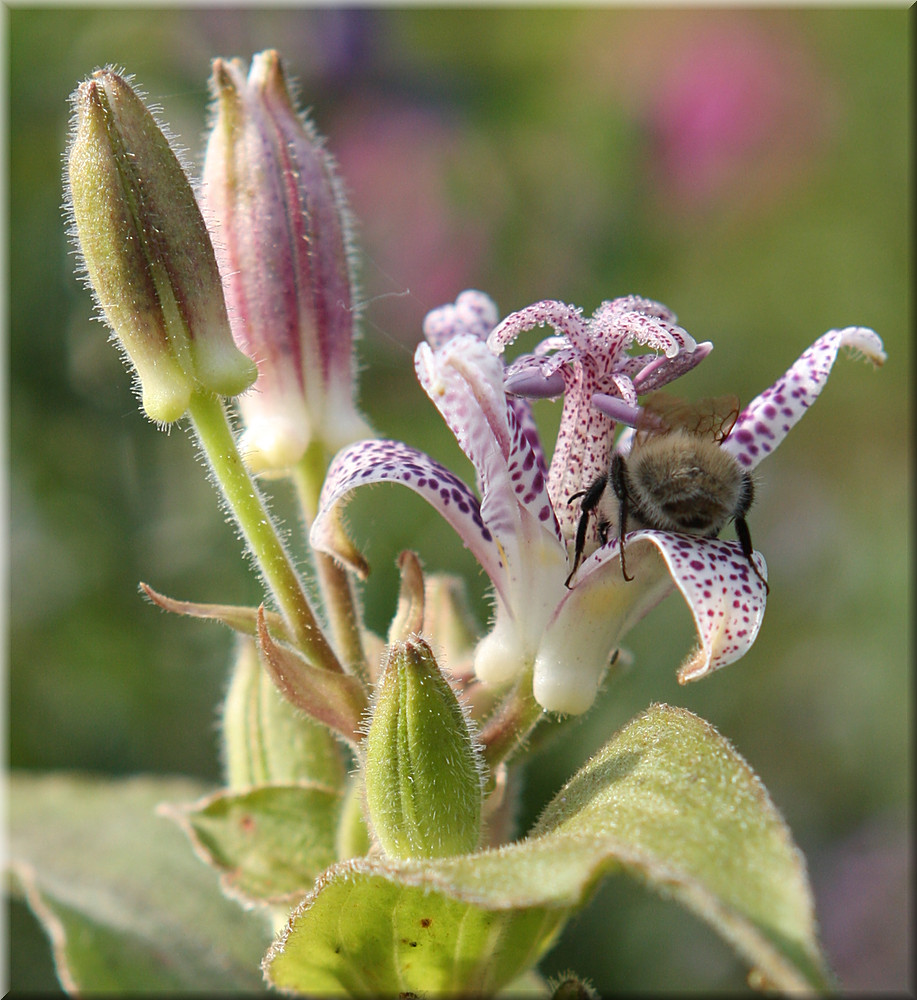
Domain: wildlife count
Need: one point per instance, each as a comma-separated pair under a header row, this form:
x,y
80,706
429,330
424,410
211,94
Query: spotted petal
x,y
472,313
723,593
390,461
465,382
724,596
765,422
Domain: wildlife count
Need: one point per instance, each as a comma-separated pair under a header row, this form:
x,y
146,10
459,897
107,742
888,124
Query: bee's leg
x,y
741,525
591,498
744,537
619,485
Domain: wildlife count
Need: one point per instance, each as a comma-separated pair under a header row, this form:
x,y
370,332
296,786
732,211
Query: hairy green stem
x,y
211,424
336,587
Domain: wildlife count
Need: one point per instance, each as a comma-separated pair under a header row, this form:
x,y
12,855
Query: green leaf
x,y
696,823
126,904
269,843
367,931
667,800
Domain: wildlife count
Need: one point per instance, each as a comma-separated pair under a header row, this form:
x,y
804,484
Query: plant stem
x,y
211,425
507,729
336,586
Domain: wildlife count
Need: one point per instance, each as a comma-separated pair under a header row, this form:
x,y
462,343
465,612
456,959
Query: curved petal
x,y
473,313
590,621
765,422
390,461
465,382
725,597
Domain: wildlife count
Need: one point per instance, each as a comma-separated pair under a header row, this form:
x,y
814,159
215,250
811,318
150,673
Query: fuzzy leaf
x,y
269,843
695,822
667,800
127,906
367,933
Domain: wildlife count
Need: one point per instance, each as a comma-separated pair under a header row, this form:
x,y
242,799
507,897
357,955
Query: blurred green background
x,y
749,168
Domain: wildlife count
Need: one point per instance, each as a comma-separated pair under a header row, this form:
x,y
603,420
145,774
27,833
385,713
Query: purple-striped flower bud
x,y
280,228
146,250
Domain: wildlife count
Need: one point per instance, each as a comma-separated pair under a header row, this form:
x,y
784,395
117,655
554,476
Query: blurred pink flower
x,y
426,193
735,104
862,885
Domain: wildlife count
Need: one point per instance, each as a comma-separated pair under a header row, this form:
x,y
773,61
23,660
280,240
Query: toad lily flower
x,y
520,528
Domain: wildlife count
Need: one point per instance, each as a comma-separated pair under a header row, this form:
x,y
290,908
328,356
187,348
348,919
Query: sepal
x,y
336,700
239,618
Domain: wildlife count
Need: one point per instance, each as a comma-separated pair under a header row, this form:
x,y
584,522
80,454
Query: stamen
x,y
534,385
616,408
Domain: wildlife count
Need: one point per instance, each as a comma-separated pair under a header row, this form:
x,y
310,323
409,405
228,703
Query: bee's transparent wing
x,y
712,418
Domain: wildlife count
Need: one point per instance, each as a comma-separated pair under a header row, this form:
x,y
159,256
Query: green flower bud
x,y
422,768
146,251
266,740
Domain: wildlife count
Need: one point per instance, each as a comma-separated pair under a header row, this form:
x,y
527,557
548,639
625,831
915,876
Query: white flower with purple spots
x,y
725,596
519,522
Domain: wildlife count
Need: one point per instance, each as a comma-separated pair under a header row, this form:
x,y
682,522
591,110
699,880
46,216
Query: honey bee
x,y
675,478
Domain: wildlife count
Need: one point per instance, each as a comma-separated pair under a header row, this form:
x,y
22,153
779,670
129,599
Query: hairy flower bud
x,y
422,769
266,739
280,228
146,250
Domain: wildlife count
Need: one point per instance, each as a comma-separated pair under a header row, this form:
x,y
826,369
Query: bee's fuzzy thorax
x,y
682,482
